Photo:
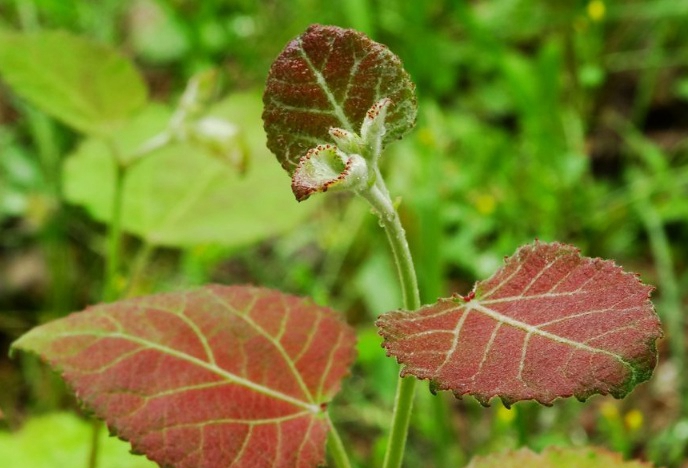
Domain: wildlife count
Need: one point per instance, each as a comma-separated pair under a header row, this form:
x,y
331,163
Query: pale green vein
x,y
534,296
502,283
524,351
308,110
244,444
184,205
197,331
455,341
539,275
186,388
352,75
488,347
339,112
587,313
328,365
278,346
230,377
311,336
475,305
113,362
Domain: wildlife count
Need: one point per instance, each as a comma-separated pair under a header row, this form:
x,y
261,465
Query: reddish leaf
x,y
215,377
549,324
329,78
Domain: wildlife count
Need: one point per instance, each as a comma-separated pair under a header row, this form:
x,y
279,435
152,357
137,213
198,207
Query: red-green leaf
x,y
215,377
330,77
549,324
583,457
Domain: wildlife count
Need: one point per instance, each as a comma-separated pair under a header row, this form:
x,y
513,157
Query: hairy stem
x,y
378,197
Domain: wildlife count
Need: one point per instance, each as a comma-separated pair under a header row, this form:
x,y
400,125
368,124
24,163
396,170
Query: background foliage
x,y
558,120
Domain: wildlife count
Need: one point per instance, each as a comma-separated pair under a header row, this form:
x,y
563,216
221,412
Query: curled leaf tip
x,y
326,167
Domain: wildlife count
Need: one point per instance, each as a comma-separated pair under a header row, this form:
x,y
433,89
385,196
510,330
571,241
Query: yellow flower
x,y
633,420
596,10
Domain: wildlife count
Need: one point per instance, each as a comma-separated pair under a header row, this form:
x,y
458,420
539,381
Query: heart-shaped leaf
x,y
330,77
181,195
584,457
87,85
549,324
218,376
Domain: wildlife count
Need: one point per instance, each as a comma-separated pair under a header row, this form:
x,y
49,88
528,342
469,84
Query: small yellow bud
x,y
596,10
633,420
485,204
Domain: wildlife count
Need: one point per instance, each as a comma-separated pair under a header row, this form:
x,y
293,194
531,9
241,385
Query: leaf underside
x,y
548,324
330,77
556,457
219,376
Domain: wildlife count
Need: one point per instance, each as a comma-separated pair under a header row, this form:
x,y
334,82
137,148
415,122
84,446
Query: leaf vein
x,y
339,112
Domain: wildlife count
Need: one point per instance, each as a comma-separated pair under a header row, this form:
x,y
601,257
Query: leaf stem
x,y
379,198
114,237
96,428
112,262
336,448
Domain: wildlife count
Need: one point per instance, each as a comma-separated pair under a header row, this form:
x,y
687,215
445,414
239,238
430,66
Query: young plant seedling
x,y
241,376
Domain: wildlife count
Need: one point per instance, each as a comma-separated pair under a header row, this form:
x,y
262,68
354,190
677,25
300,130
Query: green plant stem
x,y
378,197
336,448
138,266
114,238
112,262
96,427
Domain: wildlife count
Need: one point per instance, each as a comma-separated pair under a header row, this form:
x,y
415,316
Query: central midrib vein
x,y
339,112
530,329
315,409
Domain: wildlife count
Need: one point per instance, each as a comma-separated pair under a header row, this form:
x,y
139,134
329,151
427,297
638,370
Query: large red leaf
x,y
215,377
549,324
330,77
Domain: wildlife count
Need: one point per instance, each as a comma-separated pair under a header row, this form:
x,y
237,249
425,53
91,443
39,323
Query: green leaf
x,y
86,85
182,195
331,77
556,458
62,440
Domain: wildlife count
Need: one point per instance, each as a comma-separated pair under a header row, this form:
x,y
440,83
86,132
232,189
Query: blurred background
x,y
559,121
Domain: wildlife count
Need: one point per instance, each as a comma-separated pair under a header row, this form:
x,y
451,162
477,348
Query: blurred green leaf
x,y
86,85
63,440
556,458
181,195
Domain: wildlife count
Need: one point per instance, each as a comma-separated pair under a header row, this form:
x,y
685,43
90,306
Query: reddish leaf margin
x,y
549,324
218,376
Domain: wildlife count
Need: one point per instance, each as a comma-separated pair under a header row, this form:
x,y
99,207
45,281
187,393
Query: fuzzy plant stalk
x,y
243,376
353,96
